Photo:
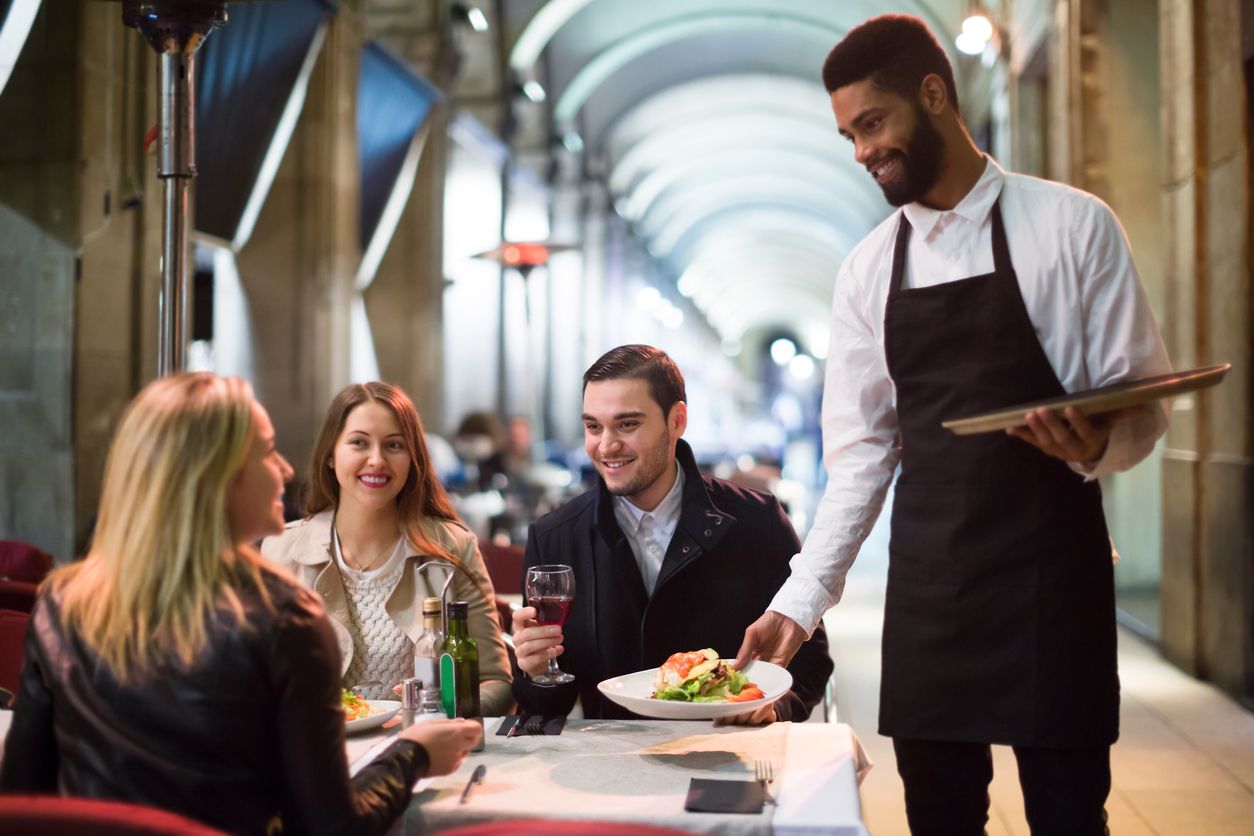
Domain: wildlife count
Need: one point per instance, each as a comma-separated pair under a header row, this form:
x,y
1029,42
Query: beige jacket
x,y
304,549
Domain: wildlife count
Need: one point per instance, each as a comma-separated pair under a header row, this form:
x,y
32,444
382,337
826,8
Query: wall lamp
x,y
977,34
472,16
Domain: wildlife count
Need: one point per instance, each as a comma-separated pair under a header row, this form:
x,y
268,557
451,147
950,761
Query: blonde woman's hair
x,y
163,559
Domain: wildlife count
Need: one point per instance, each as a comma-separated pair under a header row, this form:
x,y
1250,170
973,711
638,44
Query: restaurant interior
x,y
475,199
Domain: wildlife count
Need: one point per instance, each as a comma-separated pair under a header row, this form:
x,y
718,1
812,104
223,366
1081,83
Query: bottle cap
x,y
458,609
431,606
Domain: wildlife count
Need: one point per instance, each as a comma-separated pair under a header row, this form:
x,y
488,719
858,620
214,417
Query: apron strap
x,y
899,256
1001,251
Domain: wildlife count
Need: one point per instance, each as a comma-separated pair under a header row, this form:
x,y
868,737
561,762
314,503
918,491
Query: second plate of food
x,y
634,692
378,713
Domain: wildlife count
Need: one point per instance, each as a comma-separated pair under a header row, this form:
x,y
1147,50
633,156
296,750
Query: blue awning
x,y
16,17
250,85
393,101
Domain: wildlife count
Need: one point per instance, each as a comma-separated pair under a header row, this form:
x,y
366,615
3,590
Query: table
x,y
638,771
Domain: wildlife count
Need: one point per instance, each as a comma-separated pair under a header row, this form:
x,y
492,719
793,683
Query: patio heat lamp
x,y
175,29
522,256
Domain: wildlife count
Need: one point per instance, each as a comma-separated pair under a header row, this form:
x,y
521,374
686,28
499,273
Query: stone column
x,y
79,247
405,302
1208,527
297,270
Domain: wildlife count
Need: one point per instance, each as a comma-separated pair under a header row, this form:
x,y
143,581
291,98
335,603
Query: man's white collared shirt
x,y
1082,294
650,532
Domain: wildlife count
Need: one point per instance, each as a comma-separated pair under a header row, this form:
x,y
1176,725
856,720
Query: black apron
x,y
999,620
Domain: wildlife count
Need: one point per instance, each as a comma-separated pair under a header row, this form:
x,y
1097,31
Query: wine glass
x,y
551,590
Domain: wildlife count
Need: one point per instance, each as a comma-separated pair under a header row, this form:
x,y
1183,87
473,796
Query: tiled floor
x,y
1184,764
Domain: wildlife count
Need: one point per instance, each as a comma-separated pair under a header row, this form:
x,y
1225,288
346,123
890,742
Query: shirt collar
x,y
630,516
974,206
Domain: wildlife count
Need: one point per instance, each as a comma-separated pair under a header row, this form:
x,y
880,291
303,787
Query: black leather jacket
x,y
250,732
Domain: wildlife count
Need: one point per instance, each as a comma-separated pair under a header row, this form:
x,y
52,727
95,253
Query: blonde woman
x,y
174,667
376,512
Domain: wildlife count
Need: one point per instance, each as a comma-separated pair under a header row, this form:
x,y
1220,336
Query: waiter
x,y
985,289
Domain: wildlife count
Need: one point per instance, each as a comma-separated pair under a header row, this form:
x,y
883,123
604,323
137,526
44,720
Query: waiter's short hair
x,y
641,362
896,52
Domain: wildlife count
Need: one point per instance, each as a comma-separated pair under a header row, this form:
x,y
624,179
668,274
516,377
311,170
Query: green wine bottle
x,y
459,666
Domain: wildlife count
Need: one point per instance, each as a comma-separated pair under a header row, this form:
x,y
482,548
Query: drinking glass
x,y
551,590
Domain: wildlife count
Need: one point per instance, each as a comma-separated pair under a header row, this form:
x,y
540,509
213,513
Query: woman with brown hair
x,y
174,667
375,513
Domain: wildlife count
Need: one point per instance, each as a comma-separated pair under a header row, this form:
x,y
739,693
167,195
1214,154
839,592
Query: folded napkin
x,y
706,795
532,724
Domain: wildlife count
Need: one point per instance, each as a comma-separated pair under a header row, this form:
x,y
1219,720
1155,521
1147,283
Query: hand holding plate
x,y
773,637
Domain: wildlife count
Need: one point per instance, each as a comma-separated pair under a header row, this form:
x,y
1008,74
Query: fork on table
x,y
527,724
764,774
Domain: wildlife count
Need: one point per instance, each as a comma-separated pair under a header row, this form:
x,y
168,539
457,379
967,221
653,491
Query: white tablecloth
x,y
638,771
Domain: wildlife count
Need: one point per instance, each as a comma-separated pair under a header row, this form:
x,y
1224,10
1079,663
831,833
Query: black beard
x,y
920,164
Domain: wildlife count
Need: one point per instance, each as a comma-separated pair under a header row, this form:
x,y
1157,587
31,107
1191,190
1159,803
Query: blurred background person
x,y
173,642
375,514
480,442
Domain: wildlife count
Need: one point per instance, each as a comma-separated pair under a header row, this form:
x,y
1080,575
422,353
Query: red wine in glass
x,y
550,589
551,609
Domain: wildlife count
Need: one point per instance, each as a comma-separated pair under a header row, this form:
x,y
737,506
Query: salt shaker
x,y
411,690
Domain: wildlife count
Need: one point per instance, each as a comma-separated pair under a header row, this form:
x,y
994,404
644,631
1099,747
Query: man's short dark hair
x,y
895,51
641,362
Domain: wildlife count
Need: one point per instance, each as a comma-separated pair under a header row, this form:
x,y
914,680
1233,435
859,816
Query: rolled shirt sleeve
x,y
860,454
1121,337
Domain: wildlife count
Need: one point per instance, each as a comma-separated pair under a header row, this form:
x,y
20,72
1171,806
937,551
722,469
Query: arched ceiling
x,y
717,140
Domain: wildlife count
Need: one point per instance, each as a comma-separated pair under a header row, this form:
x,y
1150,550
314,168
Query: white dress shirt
x,y
650,532
1082,294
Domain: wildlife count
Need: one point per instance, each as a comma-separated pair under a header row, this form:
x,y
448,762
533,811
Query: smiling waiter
x,y
985,289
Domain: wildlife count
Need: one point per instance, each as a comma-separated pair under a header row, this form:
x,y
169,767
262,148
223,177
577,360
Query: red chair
x,y
23,562
505,615
36,815
18,595
504,567
12,651
549,827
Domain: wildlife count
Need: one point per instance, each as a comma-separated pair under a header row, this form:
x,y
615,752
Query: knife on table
x,y
476,777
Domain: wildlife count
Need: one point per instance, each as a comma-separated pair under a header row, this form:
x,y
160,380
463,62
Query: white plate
x,y
632,691
383,710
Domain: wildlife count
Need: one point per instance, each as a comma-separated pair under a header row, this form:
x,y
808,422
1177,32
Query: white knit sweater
x,y
381,650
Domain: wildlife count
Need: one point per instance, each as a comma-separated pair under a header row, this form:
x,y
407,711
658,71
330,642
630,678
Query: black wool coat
x,y
727,558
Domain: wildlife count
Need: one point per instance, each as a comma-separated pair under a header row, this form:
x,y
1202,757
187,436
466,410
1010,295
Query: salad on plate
x,y
701,676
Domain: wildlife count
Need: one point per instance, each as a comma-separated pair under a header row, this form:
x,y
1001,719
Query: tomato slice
x,y
747,694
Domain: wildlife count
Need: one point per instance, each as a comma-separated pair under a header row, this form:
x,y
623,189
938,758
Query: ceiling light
x,y
783,350
978,26
977,31
801,366
648,298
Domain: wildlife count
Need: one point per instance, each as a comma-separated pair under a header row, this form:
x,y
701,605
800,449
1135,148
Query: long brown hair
x,y
421,497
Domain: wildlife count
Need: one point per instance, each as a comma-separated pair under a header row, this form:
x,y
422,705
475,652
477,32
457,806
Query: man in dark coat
x,y
665,559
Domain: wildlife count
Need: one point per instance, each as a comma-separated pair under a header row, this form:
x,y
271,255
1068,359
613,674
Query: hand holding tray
x,y
1095,401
